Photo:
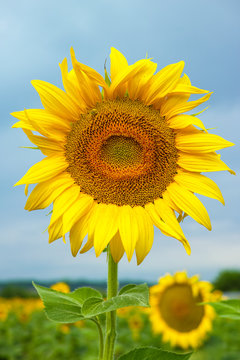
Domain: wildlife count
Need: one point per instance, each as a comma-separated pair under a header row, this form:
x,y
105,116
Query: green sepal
x,y
107,79
151,353
130,295
229,309
65,307
29,147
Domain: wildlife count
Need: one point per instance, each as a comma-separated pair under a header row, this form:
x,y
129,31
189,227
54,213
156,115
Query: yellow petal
x,y
116,247
175,106
168,216
23,125
181,277
165,229
56,100
26,189
199,184
189,203
170,102
184,80
92,220
128,229
138,85
44,122
90,92
184,88
119,84
64,201
200,142
171,203
46,192
71,85
44,170
118,63
47,146
80,207
93,75
78,233
146,233
182,121
55,231
106,226
88,245
202,162
164,81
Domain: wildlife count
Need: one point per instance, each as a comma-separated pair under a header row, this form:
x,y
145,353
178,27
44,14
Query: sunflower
x,y
175,311
61,286
121,159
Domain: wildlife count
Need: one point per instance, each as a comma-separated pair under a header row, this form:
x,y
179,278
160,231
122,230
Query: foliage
x,y
88,303
38,339
229,309
151,353
228,280
12,290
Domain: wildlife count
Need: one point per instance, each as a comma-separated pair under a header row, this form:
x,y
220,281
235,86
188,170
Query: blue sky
x,y
35,37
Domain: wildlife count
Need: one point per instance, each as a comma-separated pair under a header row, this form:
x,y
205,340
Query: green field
x,y
37,338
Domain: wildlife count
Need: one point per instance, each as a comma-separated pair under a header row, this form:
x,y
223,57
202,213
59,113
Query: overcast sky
x,y
35,36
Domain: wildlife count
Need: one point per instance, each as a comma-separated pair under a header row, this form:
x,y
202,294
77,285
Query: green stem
x,y
100,338
111,316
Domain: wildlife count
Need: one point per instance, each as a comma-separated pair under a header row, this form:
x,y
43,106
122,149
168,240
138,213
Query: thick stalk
x,y
112,289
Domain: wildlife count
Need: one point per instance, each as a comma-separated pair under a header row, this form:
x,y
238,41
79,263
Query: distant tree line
x,y
228,280
25,289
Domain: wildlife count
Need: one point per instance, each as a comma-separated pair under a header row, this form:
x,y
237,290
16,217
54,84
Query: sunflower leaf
x,y
151,353
84,293
65,307
229,309
126,288
134,296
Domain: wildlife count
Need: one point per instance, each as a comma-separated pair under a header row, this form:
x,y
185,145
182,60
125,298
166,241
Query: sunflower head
x,y
120,155
176,312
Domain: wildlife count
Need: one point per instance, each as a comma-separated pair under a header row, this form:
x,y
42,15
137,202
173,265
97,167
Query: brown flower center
x,y
122,152
179,309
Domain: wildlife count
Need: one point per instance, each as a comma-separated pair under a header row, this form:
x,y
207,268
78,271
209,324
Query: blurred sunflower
x,y
135,323
175,312
120,160
61,286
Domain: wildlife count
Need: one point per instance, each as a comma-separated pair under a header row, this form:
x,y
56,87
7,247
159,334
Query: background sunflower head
x,y
121,155
175,311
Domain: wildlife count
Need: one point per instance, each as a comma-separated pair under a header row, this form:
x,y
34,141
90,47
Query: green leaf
x,y
133,295
84,293
227,308
125,288
151,353
65,308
